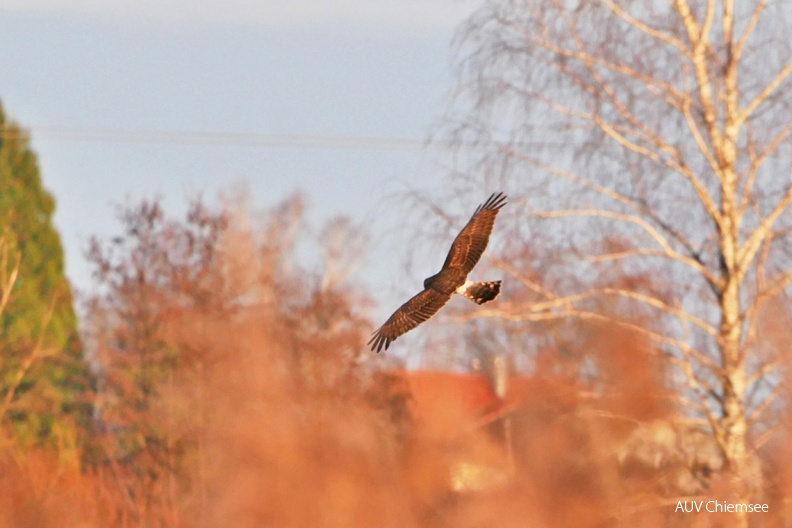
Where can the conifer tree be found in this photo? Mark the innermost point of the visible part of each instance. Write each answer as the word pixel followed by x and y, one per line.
pixel 43 378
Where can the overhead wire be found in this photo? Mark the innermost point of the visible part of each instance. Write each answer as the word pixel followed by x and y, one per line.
pixel 253 139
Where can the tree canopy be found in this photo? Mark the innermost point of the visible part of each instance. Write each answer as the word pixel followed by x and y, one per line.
pixel 42 373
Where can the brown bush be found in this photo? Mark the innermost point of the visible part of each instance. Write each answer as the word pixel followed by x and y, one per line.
pixel 233 393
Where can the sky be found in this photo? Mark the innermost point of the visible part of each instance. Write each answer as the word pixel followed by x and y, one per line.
pixel 172 98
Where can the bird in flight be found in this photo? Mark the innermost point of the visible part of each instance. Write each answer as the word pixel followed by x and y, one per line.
pixel 465 252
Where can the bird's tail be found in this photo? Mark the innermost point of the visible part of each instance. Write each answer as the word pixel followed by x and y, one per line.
pixel 480 292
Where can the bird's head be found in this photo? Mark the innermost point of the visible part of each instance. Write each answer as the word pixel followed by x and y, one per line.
pixel 428 281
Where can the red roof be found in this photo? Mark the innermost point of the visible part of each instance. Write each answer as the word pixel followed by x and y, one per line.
pixel 443 400
pixel 448 396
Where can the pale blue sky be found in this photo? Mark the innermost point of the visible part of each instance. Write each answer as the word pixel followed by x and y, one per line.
pixel 307 67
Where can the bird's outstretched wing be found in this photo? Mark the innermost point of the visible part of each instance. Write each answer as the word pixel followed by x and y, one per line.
pixel 408 316
pixel 471 242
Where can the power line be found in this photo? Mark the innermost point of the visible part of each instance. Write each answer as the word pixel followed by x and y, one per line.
pixel 252 139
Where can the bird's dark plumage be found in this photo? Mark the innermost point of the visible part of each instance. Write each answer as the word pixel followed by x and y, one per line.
pixel 465 252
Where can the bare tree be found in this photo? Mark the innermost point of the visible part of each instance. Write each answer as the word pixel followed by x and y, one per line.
pixel 660 132
pixel 176 302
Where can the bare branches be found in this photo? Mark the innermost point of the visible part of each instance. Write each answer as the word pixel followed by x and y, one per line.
pixel 766 403
pixel 699 138
pixel 628 294
pixel 702 392
pixel 666 90
pixel 779 285
pixel 699 36
pixel 765 93
pixel 645 28
pixel 747 252
pixel 756 162
pixel 566 311
pixel 640 222
pixel 738 49
pixel 583 182
pixel 728 24
pixel 637 138
pixel 513 272
pixel 648 107
pixel 668 251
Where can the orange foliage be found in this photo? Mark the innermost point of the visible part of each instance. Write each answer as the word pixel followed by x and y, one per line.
pixel 260 413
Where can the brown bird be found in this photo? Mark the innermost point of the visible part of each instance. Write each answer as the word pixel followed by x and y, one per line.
pixel 465 252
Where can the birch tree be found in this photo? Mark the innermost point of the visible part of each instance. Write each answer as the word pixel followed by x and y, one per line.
pixel 647 145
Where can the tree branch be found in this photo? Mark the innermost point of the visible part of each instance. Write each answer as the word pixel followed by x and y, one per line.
pixel 508 313
pixel 738 50
pixel 646 226
pixel 641 26
pixel 764 94
pixel 619 292
pixel 757 161
pixel 746 253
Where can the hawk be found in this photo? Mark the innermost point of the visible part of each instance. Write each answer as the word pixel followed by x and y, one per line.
pixel 465 252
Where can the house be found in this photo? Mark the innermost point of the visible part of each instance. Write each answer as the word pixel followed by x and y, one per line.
pixel 466 424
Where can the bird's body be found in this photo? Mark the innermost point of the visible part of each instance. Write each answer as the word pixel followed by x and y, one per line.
pixel 446 281
pixel 465 252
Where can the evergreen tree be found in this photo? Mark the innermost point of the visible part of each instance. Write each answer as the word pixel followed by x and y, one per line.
pixel 43 378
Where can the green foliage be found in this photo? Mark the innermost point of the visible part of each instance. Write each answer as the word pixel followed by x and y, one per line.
pixel 43 378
